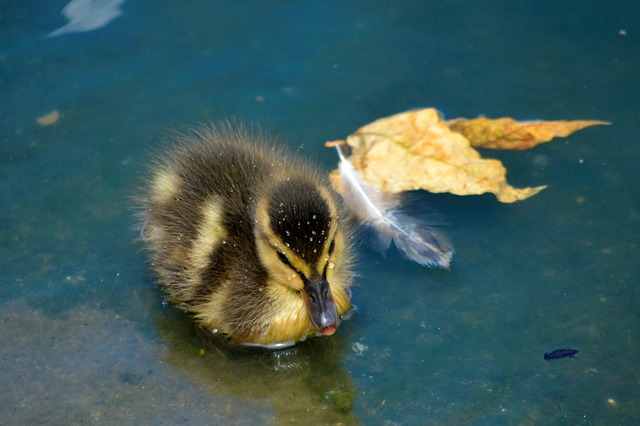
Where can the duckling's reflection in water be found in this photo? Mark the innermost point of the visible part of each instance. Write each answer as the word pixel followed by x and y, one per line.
pixel 304 383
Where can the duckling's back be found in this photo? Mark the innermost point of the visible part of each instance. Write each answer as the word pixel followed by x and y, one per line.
pixel 203 219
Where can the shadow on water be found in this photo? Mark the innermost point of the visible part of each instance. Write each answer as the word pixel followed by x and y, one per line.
pixel 304 383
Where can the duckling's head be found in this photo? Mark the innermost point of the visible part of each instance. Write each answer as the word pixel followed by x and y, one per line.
pixel 301 241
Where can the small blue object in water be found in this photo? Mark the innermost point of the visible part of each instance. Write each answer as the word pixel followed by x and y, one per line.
pixel 560 353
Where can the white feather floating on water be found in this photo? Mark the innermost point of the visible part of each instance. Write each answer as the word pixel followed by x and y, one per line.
pixel 88 15
pixel 382 211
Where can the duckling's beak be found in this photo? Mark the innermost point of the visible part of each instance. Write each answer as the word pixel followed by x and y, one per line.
pixel 322 310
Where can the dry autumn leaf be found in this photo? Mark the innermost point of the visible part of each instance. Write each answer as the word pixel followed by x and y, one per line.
pixel 418 150
pixel 507 133
pixel 49 119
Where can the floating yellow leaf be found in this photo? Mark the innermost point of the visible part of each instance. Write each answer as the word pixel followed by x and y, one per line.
pixel 49 119
pixel 507 133
pixel 418 150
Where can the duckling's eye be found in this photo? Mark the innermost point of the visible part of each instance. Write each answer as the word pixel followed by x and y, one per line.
pixel 284 259
pixel 332 247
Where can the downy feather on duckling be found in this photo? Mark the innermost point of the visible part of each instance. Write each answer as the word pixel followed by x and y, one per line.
pixel 250 240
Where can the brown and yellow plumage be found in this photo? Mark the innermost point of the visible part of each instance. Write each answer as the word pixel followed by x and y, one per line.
pixel 247 238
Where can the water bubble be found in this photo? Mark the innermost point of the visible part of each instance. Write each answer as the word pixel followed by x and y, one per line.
pixel 359 348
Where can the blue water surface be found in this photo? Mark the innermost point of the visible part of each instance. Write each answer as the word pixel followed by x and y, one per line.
pixel 84 335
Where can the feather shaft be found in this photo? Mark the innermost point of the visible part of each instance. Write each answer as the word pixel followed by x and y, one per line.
pixel 413 237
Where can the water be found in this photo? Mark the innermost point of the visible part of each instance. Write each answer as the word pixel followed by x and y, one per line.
pixel 85 335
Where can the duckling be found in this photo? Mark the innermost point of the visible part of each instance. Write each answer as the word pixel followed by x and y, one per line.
pixel 250 240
